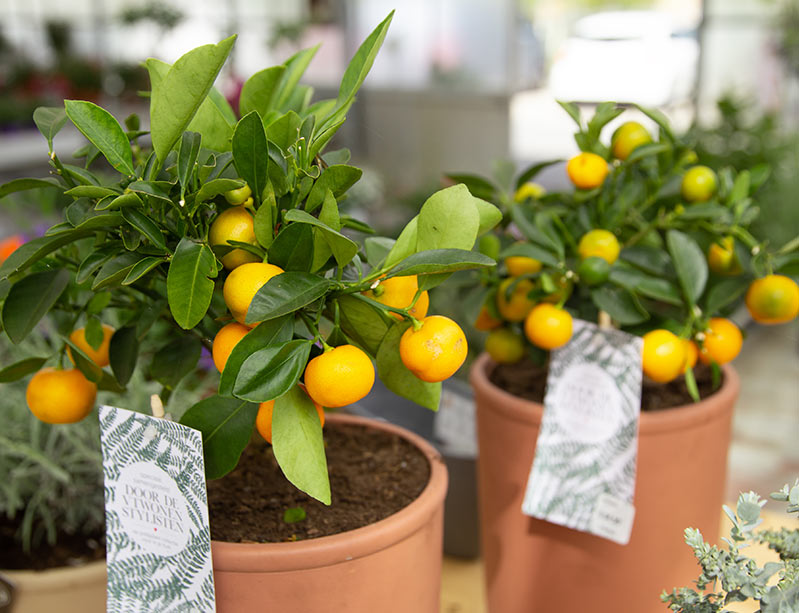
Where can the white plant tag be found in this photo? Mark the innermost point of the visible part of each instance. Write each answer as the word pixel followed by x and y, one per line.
pixel 158 542
pixel 583 472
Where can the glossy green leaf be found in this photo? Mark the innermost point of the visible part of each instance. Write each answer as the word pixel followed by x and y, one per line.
pixel 215 187
pixel 448 220
pixel 437 261
pixel 188 151
pixel 293 248
pixel 123 352
pixel 285 130
pixel 725 293
pixel 270 372
pixel 156 189
pixel 649 259
pixel 285 293
pixel 530 173
pixel 272 332
pixel 294 69
pixel 689 263
pixel 478 186
pixel 175 360
pixel 488 215
pixel 125 200
pixel 338 179
pixel 250 153
pixel 91 191
pixel 343 248
pixel 639 282
pixel 21 185
pixel 84 363
pixel 363 323
pixel 93 331
pixel 49 120
pixel 146 226
pixel 620 304
pixel 29 299
pixel 189 282
pixel 259 90
pixel 91 264
pixel 103 131
pixel 178 95
pixel 398 378
pixel 298 445
pixel 405 245
pixel 264 223
pixel 114 271
pixel 141 268
pixel 23 368
pixel 35 249
pixel 226 425
pixel 98 303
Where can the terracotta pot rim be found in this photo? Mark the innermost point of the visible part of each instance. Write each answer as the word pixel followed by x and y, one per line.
pixel 651 422
pixel 350 545
pixel 54 578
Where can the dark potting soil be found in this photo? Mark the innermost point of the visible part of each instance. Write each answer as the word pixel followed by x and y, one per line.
pixel 373 474
pixel 69 550
pixel 528 380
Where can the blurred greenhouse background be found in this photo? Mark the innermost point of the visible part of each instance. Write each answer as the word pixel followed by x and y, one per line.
pixel 459 85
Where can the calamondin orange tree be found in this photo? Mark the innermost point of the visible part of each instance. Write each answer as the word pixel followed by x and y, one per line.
pixel 647 240
pixel 229 231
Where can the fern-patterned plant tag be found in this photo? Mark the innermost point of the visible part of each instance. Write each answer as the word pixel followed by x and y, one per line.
pixel 583 473
pixel 158 542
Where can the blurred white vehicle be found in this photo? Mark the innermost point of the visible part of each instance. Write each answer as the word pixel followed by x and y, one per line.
pixel 625 56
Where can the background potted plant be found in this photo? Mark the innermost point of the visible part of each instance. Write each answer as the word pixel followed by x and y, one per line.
pixel 229 235
pixel 730 576
pixel 655 245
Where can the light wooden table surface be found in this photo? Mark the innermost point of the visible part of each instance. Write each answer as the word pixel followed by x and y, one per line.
pixel 463 590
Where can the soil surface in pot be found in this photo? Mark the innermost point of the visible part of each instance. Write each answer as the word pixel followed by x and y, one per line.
pixel 69 550
pixel 373 474
pixel 528 380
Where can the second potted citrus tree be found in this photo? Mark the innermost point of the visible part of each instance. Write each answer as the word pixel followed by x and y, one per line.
pixel 227 235
pixel 652 244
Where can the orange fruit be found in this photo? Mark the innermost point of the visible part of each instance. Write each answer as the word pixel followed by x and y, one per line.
pixel 504 346
pixel 486 321
pixel 10 245
pixel 723 342
pixel 515 307
pixel 518 265
pixel 587 170
pixel 436 350
pixel 340 376
pixel 548 326
pixel 238 196
pixel 100 355
pixel 627 137
pixel 529 190
pixel 60 396
pixel 663 356
pixel 263 421
pixel 698 184
pixel 721 257
pixel 398 292
pixel 773 299
pixel 224 342
pixel 234 224
pixel 601 244
pixel 243 283
pixel 691 353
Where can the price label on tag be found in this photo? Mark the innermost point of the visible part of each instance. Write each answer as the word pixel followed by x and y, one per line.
pixel 583 473
pixel 158 542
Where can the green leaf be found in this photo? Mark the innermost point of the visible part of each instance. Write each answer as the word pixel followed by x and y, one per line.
pixel 285 130
pixel 104 132
pixel 21 185
pixel 91 264
pixel 259 90
pixel 649 259
pixel 156 189
pixel 273 332
pixel 448 220
pixel 226 425
pixel 189 282
pixel 123 351
pixel 638 282
pixel 270 372
pixel 115 270
pixel 285 293
pixel 175 360
pixel 573 110
pixel 250 153
pixel 532 171
pixel 405 245
pixel 620 304
pixel 440 260
pixel 488 214
pixel 343 248
pixel 740 189
pixel 660 119
pixel 398 378
pixel 338 179
pixel 34 250
pixel 689 263
pixel 214 187
pixel 298 445
pixel 49 120
pixel 724 293
pixel 94 331
pixel 264 223
pixel 98 303
pixel 146 226
pixel 214 121
pixel 188 151
pixel 125 200
pixel 363 323
pixel 23 368
pixel 478 186
pixel 84 363
pixel 293 248
pixel 377 248
pixel 178 95
pixel 29 299
pixel 141 268
pixel 90 191
pixel 295 67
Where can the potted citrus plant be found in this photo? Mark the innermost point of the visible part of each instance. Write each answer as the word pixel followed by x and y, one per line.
pixel 652 244
pixel 228 233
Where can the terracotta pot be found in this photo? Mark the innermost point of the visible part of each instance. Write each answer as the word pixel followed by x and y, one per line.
pixel 534 566
pixel 392 566
pixel 74 589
